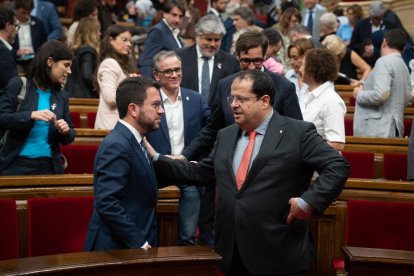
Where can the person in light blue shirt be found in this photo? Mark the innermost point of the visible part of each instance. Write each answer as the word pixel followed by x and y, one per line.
pixel 42 123
pixel 354 13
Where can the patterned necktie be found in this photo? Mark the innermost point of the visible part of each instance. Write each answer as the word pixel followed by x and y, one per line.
pixel 205 79
pixel 144 149
pixel 310 22
pixel 245 161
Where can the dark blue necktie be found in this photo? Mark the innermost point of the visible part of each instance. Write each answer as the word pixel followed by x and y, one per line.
pixel 310 21
pixel 205 79
pixel 144 149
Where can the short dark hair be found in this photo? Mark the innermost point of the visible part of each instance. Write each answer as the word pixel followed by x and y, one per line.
pixel 396 39
pixel 133 90
pixel 321 65
pixel 40 71
pixel 171 4
pixel 262 84
pixel 84 8
pixel 6 16
pixel 250 40
pixel 273 36
pixel 26 5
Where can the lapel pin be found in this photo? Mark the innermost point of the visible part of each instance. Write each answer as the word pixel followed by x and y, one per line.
pixel 53 106
pixel 281 131
pixel 219 65
pixel 187 98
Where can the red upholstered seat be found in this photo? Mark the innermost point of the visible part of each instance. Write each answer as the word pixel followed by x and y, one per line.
pixel 349 126
pixel 377 224
pixel 362 164
pixel 9 230
pixel 352 101
pixel 57 225
pixel 91 117
pixel 80 158
pixel 407 127
pixel 75 116
pixel 395 166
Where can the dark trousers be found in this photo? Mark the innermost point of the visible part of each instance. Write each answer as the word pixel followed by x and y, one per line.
pixel 206 217
pixel 30 166
pixel 238 268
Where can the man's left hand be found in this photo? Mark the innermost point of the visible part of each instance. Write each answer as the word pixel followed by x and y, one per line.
pixel 296 212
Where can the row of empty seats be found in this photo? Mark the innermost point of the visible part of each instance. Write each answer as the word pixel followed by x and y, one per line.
pixel 55 226
pixel 363 165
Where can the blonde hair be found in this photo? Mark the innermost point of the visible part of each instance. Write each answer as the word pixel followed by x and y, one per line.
pixel 87 33
pixel 335 45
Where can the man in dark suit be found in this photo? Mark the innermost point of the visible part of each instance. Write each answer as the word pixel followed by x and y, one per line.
pixel 8 31
pixel 125 187
pixel 186 113
pixel 218 7
pixel 250 49
pixel 46 11
pixel 263 167
pixel 163 36
pixel 209 32
pixel 30 26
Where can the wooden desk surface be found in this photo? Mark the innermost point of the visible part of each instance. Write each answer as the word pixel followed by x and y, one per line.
pixel 378 262
pixel 158 261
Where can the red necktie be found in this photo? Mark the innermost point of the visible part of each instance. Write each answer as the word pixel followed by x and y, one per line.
pixel 245 161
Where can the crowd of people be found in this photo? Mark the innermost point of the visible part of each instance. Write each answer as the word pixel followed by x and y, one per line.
pixel 252 105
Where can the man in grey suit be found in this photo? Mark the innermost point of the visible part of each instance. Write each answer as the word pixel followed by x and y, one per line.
pixel 380 103
pixel 311 13
pixel 263 167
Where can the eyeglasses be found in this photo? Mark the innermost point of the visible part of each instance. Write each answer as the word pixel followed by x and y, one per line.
pixel 156 105
pixel 240 99
pixel 168 73
pixel 247 61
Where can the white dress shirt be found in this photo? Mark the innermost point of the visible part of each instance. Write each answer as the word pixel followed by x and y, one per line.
pixel 174 116
pixel 200 62
pixel 326 110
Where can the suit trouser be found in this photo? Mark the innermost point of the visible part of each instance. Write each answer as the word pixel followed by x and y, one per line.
pixel 206 219
pixel 30 166
pixel 188 214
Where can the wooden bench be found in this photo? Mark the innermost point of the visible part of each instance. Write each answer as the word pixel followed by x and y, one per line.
pixel 21 188
pixel 83 106
pixel 176 261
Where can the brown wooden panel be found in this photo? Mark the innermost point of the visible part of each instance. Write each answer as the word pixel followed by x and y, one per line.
pixel 192 260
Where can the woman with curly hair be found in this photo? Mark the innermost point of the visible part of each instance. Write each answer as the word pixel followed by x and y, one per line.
pixel 320 104
pixel 115 66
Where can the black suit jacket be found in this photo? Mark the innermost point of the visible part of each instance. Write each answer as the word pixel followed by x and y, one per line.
pixel 254 215
pixel 37 33
pixel 8 67
pixel 224 65
pixel 285 103
pixel 159 38
pixel 410 166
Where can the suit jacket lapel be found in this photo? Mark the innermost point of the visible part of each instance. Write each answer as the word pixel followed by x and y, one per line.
pixel 271 141
pixel 232 139
pixel 187 101
pixel 193 63
pixel 218 63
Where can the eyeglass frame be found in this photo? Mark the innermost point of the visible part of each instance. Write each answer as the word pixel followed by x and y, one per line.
pixel 169 72
pixel 248 61
pixel 155 105
pixel 240 99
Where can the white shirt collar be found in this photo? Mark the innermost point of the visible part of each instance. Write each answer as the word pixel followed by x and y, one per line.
pixel 6 43
pixel 320 89
pixel 134 131
pixel 174 31
pixel 165 98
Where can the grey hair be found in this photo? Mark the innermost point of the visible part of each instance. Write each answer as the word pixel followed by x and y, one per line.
pixel 209 24
pixel 300 29
pixel 245 13
pixel 161 56
pixel 330 20
pixel 377 9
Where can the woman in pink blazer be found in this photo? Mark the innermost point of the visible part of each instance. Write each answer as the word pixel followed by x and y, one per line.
pixel 114 68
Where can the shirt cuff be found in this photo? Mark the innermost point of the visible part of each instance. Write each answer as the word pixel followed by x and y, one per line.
pixel 306 207
pixel 156 156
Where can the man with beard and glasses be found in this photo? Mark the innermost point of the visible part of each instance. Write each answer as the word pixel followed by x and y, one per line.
pixel 125 187
pixel 8 31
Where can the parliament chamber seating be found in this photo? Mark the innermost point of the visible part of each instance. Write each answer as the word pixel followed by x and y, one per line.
pixel 57 225
pixel 362 164
pixel 349 126
pixel 378 224
pixel 76 119
pixel 80 158
pixel 9 237
pixel 91 117
pixel 395 166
